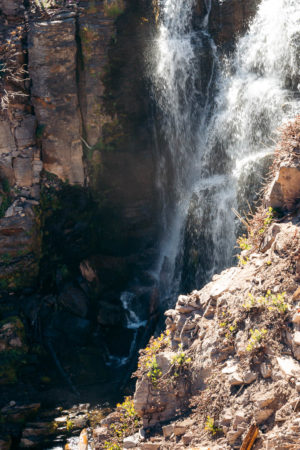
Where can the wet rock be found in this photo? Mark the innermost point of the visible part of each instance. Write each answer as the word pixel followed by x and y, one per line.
pixel 109 314
pixel 20 413
pixel 74 328
pixel 5 442
pixel 74 300
pixel 37 433
pixel 87 271
pixel 229 18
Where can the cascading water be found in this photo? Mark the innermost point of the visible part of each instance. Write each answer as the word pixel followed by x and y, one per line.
pixel 219 119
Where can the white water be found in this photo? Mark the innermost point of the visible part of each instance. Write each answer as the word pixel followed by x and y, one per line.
pixel 133 322
pixel 218 131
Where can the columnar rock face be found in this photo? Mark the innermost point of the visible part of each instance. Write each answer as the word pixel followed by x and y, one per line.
pixel 54 95
pixel 20 162
pixel 96 30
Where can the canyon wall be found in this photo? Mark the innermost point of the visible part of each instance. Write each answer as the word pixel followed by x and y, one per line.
pixel 79 211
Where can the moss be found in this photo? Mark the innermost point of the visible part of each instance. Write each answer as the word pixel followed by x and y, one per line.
pixel 92 7
pixel 5 185
pixel 70 426
pixel 4 285
pixel 6 202
pixel 10 362
pixel 12 358
pixel 87 38
pixel 40 130
pixel 113 8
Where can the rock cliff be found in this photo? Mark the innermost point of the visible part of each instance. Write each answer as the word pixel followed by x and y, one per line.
pixel 225 372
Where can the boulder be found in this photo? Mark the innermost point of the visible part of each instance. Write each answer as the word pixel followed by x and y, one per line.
pixel 75 301
pixel 285 189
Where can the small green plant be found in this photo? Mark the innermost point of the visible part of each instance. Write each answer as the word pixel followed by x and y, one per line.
pixel 257 337
pixel 69 426
pixel 210 425
pixel 127 408
pixel 242 260
pixel 267 221
pixel 111 446
pixel 230 328
pixel 180 361
pixel 153 348
pixel 277 302
pixel 127 423
pixel 244 243
pixel 154 372
pixel 270 301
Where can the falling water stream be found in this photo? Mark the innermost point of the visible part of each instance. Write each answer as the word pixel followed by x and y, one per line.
pixel 219 119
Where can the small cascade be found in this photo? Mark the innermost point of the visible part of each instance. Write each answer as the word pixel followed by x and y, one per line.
pixel 134 323
pixel 219 119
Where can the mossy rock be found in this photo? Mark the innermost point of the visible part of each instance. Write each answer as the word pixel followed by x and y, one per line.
pixel 13 349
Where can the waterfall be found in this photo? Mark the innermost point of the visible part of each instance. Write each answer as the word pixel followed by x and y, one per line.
pixel 218 118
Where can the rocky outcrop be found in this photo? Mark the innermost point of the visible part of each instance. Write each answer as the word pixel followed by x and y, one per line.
pixel 284 191
pixel 243 356
pixel 225 372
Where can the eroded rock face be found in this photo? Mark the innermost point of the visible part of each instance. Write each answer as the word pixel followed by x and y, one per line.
pixel 55 97
pixel 236 376
pixel 156 404
pixel 13 348
pixel 285 190
pixel 230 18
